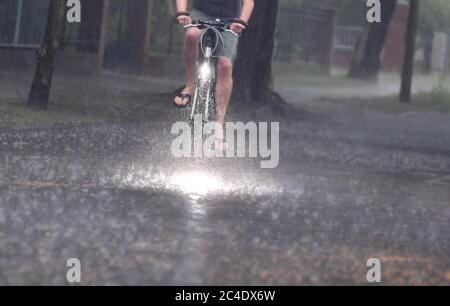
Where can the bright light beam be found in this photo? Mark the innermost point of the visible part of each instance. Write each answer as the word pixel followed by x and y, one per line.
pixel 196 183
pixel 205 72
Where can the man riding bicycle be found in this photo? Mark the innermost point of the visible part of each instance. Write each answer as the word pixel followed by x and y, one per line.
pixel 240 11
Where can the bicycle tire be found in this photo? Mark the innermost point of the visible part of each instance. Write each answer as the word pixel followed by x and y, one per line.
pixel 204 100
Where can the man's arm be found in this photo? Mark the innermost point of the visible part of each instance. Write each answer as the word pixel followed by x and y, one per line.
pixel 182 6
pixel 247 10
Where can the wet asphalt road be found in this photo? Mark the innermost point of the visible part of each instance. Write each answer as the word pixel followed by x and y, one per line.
pixel 350 186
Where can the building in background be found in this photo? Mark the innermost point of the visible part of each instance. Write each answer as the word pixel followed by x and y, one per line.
pixel 124 36
pixel 348 32
pixel 139 36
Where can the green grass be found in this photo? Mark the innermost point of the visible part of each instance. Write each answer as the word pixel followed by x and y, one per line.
pixel 14 114
pixel 79 100
pixel 294 75
pixel 313 80
pixel 287 75
pixel 437 100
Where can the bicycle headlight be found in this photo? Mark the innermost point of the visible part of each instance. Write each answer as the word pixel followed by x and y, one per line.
pixel 205 72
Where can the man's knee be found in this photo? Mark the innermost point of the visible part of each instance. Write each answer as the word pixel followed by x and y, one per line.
pixel 193 37
pixel 225 67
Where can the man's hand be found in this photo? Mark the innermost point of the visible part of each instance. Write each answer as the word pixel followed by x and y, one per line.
pixel 182 16
pixel 237 28
pixel 184 20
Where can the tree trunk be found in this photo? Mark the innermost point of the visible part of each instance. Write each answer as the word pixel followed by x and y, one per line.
pixel 136 33
pixel 90 26
pixel 40 89
pixel 428 52
pixel 253 68
pixel 410 51
pixel 366 61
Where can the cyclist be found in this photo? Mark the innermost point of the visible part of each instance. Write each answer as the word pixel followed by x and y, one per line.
pixel 241 11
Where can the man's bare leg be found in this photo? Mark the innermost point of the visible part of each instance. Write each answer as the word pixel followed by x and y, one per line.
pixel 224 90
pixel 190 51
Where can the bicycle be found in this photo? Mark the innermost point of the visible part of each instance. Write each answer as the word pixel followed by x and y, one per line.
pixel 204 101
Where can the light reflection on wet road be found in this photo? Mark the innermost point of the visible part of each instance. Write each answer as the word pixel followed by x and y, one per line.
pixel 347 189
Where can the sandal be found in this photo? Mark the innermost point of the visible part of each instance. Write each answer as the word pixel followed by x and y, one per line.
pixel 183 97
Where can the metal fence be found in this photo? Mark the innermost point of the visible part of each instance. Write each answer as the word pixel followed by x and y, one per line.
pixel 22 22
pixel 347 37
pixel 305 35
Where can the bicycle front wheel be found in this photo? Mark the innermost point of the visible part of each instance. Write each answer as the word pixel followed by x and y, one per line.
pixel 204 103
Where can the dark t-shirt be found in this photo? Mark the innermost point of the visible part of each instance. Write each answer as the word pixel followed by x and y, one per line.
pixel 220 8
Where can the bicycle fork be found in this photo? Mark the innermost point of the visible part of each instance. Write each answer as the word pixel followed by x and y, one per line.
pixel 204 86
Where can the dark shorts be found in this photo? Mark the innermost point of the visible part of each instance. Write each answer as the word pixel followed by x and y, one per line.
pixel 230 42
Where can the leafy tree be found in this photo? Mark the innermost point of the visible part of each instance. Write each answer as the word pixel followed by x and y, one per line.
pixel 434 16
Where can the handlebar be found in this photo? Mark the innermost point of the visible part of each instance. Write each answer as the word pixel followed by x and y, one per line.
pixel 221 25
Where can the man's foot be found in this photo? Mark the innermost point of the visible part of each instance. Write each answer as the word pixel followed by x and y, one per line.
pixel 184 98
pixel 220 143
